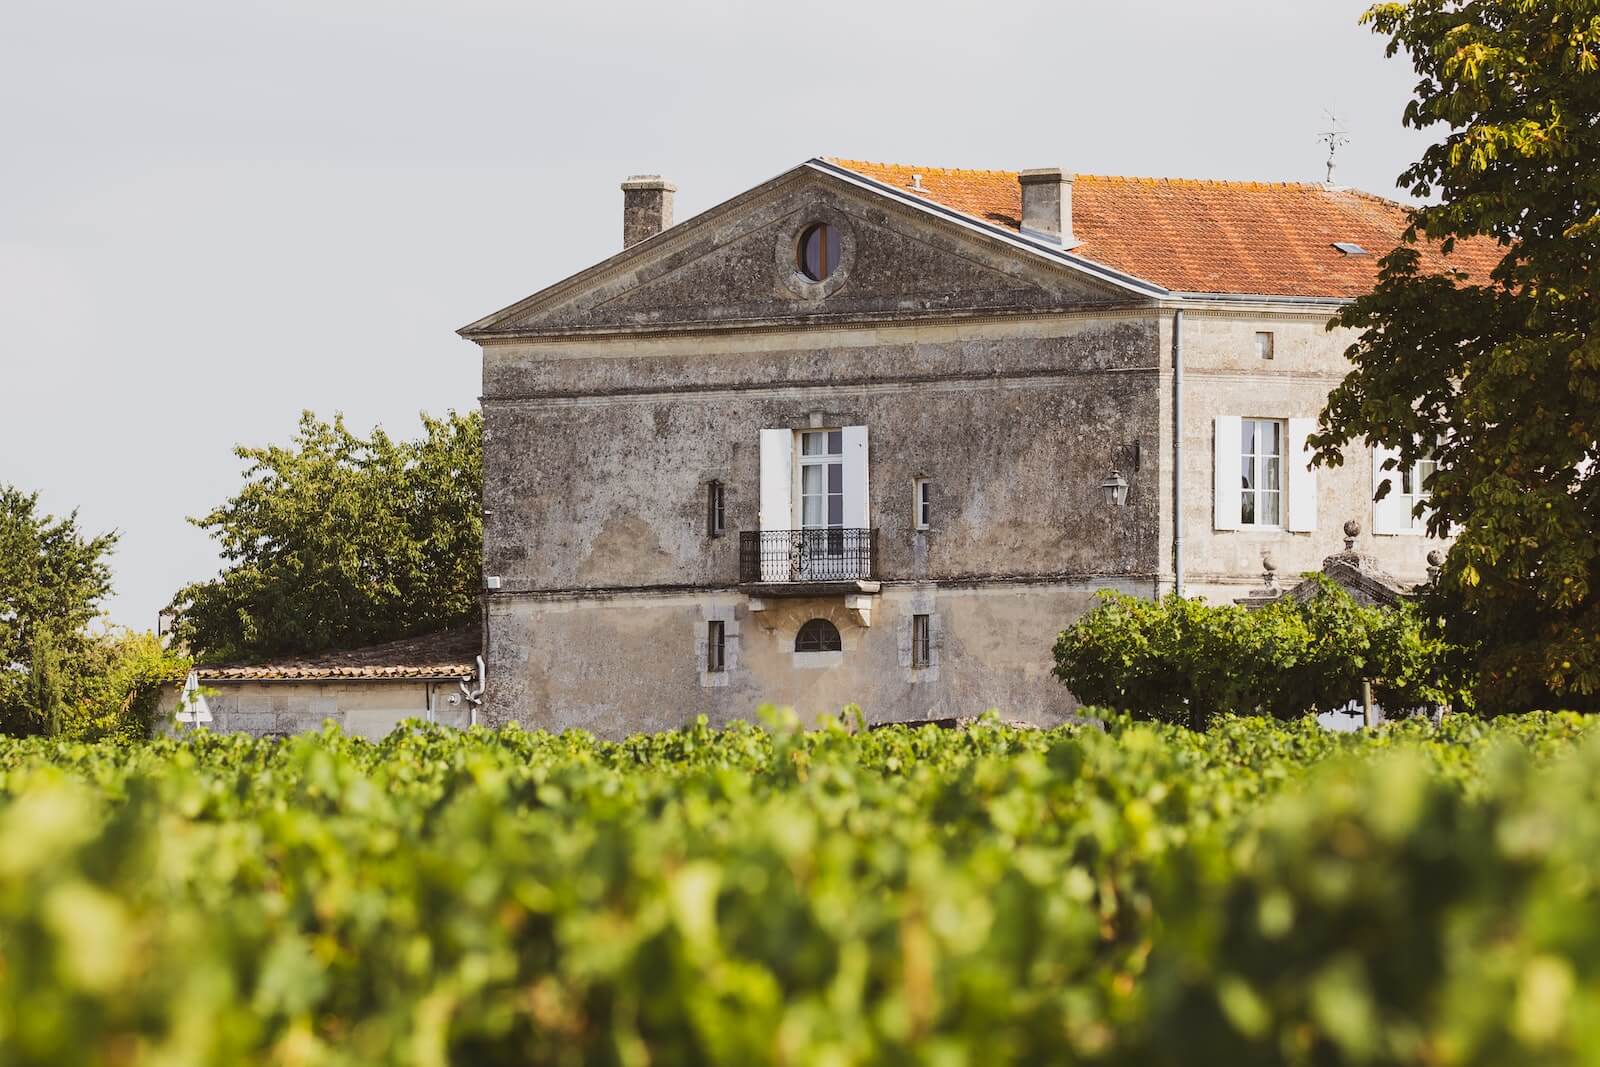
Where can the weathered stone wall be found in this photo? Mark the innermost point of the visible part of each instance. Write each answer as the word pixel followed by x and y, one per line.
pixel 1016 427
pixel 1223 375
pixel 598 455
pixel 366 709
pixel 621 663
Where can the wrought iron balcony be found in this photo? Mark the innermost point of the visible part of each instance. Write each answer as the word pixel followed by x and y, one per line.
pixel 811 557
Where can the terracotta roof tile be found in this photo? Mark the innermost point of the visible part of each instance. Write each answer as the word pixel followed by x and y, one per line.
pixel 1191 235
pixel 445 654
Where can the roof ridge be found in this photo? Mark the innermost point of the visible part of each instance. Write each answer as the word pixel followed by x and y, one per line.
pixel 1231 183
pixel 850 164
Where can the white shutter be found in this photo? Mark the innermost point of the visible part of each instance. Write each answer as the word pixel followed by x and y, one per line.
pixel 777 479
pixel 1389 515
pixel 1302 478
pixel 855 478
pixel 1225 449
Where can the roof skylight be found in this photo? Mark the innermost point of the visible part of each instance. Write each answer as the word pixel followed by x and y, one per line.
pixel 1350 248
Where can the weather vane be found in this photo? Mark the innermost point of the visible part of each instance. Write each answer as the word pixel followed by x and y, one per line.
pixel 1335 138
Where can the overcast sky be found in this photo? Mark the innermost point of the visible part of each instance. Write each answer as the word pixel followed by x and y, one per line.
pixel 216 214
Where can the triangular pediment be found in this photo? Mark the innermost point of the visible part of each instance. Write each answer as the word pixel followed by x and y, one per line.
pixel 736 264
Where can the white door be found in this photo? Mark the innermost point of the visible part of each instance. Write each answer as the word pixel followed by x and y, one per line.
pixel 818 552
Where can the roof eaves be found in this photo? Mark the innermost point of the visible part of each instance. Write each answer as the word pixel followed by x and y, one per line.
pixel 227 676
pixel 1258 298
pixel 1121 279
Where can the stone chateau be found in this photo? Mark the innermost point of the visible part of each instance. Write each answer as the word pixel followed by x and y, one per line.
pixel 874 434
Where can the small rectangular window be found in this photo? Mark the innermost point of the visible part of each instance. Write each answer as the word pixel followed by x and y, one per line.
pixel 921 645
pixel 716 646
pixel 1264 345
pixel 715 516
pixel 922 502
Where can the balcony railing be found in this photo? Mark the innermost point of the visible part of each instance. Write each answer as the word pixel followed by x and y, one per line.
pixel 825 555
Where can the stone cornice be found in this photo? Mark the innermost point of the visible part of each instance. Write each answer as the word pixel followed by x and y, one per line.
pixel 813 323
pixel 949 382
pixel 1071 580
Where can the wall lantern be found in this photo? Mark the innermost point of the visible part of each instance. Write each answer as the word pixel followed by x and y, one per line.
pixel 1115 489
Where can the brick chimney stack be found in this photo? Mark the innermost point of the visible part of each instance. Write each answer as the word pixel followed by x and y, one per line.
pixel 646 207
pixel 1047 205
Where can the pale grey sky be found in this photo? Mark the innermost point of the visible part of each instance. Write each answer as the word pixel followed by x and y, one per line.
pixel 216 214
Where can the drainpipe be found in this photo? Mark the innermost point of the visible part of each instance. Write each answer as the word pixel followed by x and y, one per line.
pixel 474 696
pixel 1177 451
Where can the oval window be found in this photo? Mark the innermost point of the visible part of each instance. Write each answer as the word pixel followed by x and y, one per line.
pixel 819 251
pixel 818 635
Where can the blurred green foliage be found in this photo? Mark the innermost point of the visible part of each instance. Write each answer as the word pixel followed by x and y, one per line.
pixel 1257 894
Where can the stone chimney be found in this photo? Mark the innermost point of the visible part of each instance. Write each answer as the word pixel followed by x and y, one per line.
pixel 1047 205
pixel 646 207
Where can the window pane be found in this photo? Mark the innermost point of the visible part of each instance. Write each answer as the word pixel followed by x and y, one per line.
pixel 811 444
pixel 1272 434
pixel 835 509
pixel 1247 473
pixel 811 511
pixel 1247 508
pixel 811 480
pixel 1269 508
pixel 813 247
pixel 836 477
pixel 1247 437
pixel 818 635
pixel 1269 473
pixel 835 442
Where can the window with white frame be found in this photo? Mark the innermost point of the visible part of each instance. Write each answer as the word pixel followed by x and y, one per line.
pixel 1264 344
pixel 1414 483
pixel 921 502
pixel 1264 477
pixel 814 478
pixel 1260 472
pixel 1397 511
pixel 821 479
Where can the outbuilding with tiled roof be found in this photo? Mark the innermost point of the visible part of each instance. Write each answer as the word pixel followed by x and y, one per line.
pixel 432 677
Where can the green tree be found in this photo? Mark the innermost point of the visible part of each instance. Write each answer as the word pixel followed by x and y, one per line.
pixel 119 681
pixel 45 697
pixel 340 540
pixel 1499 375
pixel 52 578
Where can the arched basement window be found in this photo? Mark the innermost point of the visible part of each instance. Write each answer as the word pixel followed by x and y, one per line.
pixel 818 635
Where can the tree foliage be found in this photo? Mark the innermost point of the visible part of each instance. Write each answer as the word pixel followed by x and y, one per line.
pixel 1500 375
pixel 339 540
pixel 52 579
pixel 118 683
pixel 1182 660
